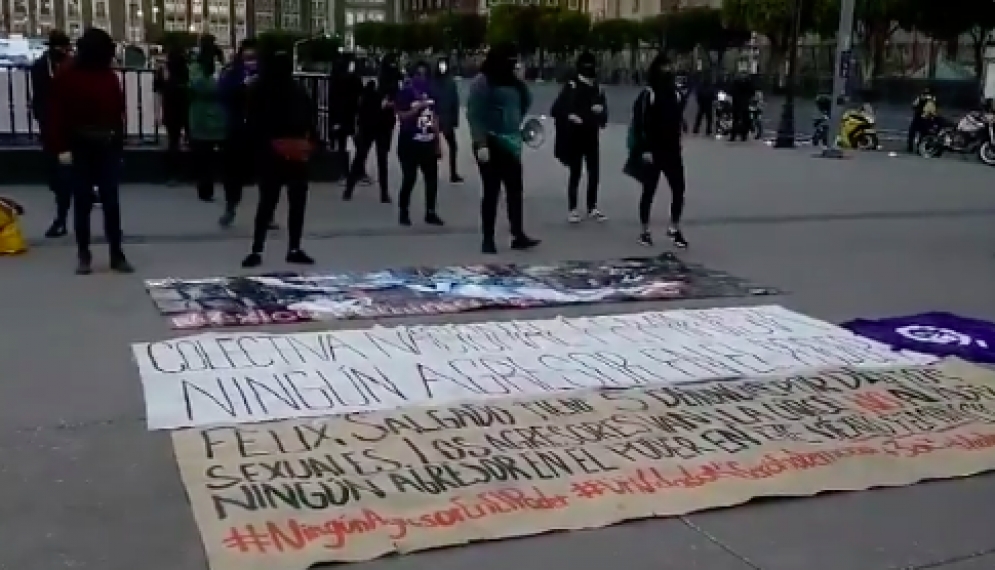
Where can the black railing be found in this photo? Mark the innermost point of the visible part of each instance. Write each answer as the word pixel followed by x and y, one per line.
pixel 18 127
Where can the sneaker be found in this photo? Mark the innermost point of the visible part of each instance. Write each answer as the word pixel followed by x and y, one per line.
pixel 646 239
pixel 488 247
pixel 456 179
pixel 120 264
pixel 84 265
pixel 56 230
pixel 597 215
pixel 404 218
pixel 677 237
pixel 298 257
pixel 524 242
pixel 227 219
pixel 573 217
pixel 252 260
pixel 433 219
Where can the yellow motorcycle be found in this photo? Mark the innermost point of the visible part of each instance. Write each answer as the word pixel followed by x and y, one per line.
pixel 858 129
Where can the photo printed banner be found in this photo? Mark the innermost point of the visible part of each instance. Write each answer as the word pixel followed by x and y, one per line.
pixel 298 492
pixel 241 378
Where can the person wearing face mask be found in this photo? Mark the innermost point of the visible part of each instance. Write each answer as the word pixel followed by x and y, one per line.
pixel 579 113
pixel 418 145
pixel 343 105
pixel 448 110
pixel 206 119
pixel 42 72
pixel 497 102
pixel 655 148
pixel 382 131
pixel 234 85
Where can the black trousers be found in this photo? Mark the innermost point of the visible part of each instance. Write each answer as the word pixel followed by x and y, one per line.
pixel 740 123
pixel 706 113
pixel 503 169
pixel 229 159
pixel 916 128
pixel 380 139
pixel 415 157
pixel 671 165
pixel 452 148
pixel 275 173
pixel 340 148
pixel 174 160
pixel 588 154
pixel 98 168
pixel 60 182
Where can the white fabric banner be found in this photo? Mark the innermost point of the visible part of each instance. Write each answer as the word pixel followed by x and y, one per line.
pixel 250 377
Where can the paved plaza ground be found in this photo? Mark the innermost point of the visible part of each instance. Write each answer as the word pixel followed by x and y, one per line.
pixel 84 486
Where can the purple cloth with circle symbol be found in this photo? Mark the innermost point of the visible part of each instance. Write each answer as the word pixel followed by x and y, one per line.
pixel 939 334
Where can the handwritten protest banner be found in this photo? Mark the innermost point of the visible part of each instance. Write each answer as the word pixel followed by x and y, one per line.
pixel 346 488
pixel 224 379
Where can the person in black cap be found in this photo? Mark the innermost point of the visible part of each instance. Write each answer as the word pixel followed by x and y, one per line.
pixel 42 72
pixel 580 112
pixel 380 136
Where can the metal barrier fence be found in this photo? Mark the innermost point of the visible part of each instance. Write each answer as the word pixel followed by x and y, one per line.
pixel 18 127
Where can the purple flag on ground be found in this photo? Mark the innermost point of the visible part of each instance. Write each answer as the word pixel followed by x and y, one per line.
pixel 939 334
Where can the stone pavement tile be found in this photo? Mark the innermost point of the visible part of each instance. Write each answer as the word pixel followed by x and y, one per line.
pixel 909 527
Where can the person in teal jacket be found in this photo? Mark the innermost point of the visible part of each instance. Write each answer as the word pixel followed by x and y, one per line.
pixel 496 104
pixel 208 122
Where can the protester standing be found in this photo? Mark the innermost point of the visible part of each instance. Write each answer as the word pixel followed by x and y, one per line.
pixel 742 92
pixel 281 122
pixel 496 104
pixel 207 121
pixel 448 110
pixel 655 148
pixel 343 104
pixel 86 129
pixel 382 132
pixel 171 86
pixel 236 154
pixel 579 113
pixel 705 98
pixel 418 144
pixel 43 70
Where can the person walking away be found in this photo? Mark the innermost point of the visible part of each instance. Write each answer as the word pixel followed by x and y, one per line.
pixel 282 129
pixel 236 155
pixel 447 108
pixel 923 107
pixel 346 87
pixel 655 148
pixel 43 70
pixel 496 104
pixel 86 126
pixel 684 94
pixel 579 113
pixel 705 99
pixel 418 144
pixel 742 93
pixel 172 101
pixel 388 84
pixel 207 121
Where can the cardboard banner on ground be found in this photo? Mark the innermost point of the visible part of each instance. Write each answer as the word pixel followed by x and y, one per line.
pixel 294 493
pixel 251 377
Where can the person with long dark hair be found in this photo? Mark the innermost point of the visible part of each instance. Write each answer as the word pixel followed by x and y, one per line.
pixel 418 144
pixel 234 85
pixel 207 121
pixel 43 70
pixel 171 86
pixel 86 120
pixel 579 113
pixel 497 102
pixel 655 148
pixel 380 136
pixel 282 129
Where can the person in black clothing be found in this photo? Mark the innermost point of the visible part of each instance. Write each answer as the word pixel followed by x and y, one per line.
pixel 281 125
pixel 170 85
pixel 742 92
pixel 655 148
pixel 236 80
pixel 683 93
pixel 381 133
pixel 42 72
pixel 343 105
pixel 919 117
pixel 579 113
pixel 705 99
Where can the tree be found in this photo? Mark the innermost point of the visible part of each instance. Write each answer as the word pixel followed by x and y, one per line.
pixel 774 19
pixel 416 37
pixel 369 35
pixel 518 24
pixel 177 40
pixel 278 40
pixel 714 36
pixel 613 36
pixel 566 31
pixel 874 23
pixel 948 21
pixel 321 49
pixel 462 32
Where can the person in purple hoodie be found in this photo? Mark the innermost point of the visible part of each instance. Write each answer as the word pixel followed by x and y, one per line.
pixel 418 143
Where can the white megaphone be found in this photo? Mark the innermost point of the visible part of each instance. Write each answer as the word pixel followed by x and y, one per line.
pixel 533 131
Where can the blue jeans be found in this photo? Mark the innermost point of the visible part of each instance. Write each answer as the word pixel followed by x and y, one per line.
pixel 98 168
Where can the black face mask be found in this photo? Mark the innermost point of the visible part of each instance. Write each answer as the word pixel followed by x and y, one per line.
pixel 57 55
pixel 586 71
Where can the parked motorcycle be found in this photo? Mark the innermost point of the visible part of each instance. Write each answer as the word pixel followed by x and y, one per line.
pixel 975 133
pixel 723 114
pixel 858 129
pixel 756 117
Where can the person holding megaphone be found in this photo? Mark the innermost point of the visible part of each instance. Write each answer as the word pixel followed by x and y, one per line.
pixel 497 102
